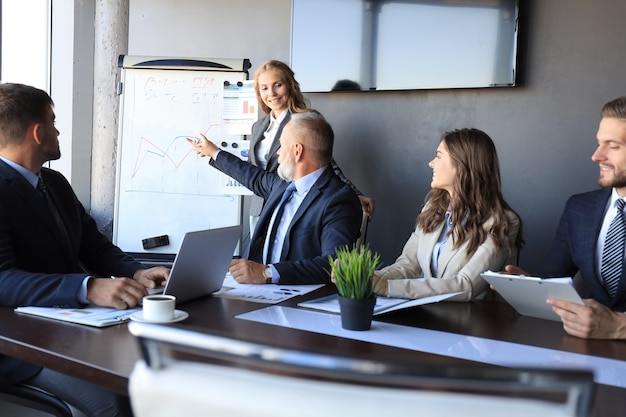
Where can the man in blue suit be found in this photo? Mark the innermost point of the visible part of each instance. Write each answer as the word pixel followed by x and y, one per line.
pixel 582 234
pixel 51 252
pixel 321 214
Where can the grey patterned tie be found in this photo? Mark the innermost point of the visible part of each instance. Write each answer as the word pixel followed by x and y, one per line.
pixel 613 252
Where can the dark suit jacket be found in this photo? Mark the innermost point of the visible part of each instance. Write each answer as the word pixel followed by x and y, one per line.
pixel 258 129
pixel 574 246
pixel 38 265
pixel 330 216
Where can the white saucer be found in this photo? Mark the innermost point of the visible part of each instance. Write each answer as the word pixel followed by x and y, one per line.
pixel 179 315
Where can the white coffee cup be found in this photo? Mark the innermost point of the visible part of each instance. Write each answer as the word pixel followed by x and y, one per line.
pixel 159 307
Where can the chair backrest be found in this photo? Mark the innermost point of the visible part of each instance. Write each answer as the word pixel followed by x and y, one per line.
pixel 35 399
pixel 237 378
pixel 364 223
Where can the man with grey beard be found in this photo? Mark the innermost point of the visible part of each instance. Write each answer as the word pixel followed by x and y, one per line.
pixel 318 213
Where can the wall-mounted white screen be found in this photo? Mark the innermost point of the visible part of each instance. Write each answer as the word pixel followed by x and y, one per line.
pixel 403 44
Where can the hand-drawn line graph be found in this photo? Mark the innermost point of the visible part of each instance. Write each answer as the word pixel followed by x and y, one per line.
pixel 173 163
pixel 171 153
pixel 176 151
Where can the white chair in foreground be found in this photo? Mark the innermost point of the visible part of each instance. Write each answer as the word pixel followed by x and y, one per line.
pixel 247 379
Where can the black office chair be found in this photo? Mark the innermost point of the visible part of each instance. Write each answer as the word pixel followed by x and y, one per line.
pixel 34 398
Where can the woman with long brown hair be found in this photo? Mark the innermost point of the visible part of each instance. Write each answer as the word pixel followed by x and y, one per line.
pixel 465 227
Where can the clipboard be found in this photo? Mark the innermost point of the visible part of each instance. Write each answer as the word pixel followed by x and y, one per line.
pixel 528 295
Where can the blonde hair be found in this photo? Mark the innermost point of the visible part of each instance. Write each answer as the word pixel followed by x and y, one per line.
pixel 295 101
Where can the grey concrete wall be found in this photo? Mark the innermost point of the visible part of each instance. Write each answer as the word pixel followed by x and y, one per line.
pixel 111 42
pixel 571 61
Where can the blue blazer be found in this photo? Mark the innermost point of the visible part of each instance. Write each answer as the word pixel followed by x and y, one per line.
pixel 39 266
pixel 330 216
pixel 574 246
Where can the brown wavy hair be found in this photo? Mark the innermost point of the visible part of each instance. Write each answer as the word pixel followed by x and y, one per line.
pixel 477 195
pixel 295 102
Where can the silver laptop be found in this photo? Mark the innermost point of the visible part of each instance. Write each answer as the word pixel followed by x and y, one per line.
pixel 201 263
pixel 528 295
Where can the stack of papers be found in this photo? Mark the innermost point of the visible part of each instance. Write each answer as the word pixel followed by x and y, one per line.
pixel 267 294
pixel 91 316
pixel 383 304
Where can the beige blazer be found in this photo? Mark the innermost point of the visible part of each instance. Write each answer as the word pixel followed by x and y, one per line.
pixel 410 276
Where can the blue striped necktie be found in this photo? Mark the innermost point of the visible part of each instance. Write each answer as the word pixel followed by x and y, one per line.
pixel 613 252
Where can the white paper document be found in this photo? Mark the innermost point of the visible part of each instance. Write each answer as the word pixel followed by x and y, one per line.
pixel 239 110
pixel 90 316
pixel 383 304
pixel 268 294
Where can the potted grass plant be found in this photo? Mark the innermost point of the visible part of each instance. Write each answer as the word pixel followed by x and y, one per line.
pixel 353 274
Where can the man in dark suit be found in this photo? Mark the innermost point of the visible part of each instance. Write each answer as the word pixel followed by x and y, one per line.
pixel 583 235
pixel 321 214
pixel 51 252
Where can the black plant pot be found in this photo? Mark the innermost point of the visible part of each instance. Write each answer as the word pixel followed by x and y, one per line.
pixel 356 314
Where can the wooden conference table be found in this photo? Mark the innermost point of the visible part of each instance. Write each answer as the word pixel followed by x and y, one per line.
pixel 106 356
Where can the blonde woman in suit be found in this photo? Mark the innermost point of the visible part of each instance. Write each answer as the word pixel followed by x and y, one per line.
pixel 465 227
pixel 279 96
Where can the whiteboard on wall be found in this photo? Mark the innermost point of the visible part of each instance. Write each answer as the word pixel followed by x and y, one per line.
pixel 163 188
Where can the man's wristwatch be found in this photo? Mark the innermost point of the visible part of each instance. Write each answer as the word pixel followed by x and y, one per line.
pixel 267 274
